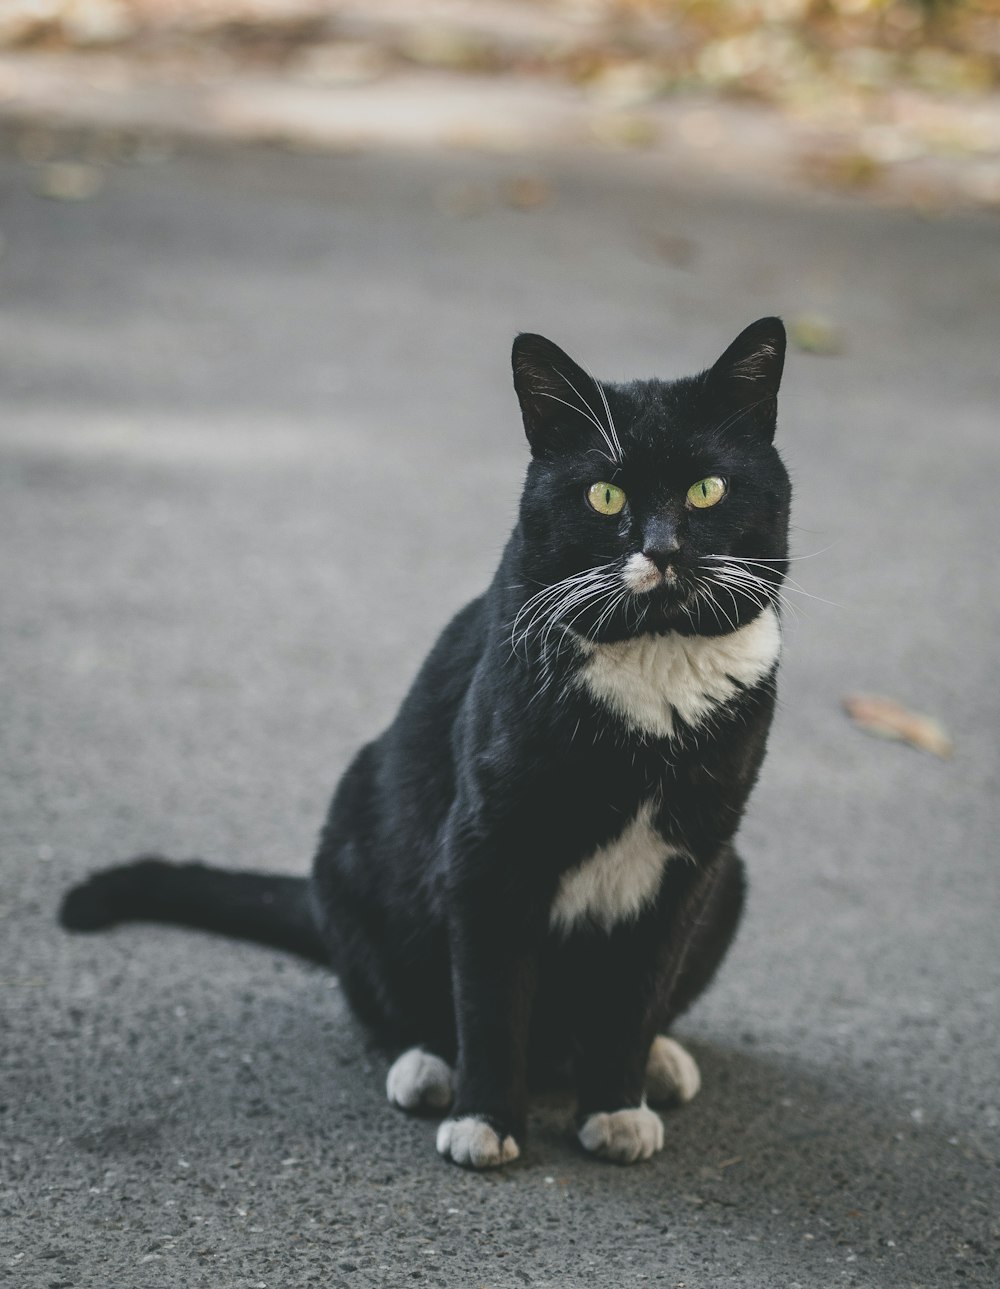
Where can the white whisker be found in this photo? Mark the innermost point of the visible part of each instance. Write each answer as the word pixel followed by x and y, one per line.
pixel 584 411
pixel 607 411
pixel 579 599
pixel 784 589
pixel 541 612
pixel 706 594
pixel 609 434
pixel 774 559
pixel 609 611
pixel 751 586
pixel 738 416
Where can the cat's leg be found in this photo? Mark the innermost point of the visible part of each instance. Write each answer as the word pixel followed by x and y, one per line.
pixel 616 989
pixel 420 1082
pixel 493 989
pixel 672 1074
pixel 494 972
pixel 637 978
pixel 710 935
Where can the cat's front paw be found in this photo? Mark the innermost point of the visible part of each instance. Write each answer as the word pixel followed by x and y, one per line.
pixel 672 1074
pixel 473 1143
pixel 420 1081
pixel 623 1136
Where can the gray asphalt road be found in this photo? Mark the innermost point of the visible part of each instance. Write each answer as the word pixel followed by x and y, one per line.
pixel 258 442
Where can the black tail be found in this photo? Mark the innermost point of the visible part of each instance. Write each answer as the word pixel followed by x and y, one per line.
pixel 248 906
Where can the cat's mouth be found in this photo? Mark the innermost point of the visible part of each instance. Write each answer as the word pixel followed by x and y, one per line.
pixel 665 599
pixel 643 577
pixel 668 603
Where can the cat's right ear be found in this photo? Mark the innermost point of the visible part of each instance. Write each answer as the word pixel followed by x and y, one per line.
pixel 745 380
pixel 555 394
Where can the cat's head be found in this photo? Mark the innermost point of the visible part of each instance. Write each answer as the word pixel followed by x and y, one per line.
pixel 655 505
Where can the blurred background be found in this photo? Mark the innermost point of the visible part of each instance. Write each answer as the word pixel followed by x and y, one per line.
pixel 260 268
pixel 898 97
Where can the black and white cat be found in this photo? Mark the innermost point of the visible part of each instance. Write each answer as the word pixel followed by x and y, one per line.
pixel 531 870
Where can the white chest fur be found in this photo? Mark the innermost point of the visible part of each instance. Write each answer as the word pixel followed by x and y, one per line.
pixel 654 680
pixel 617 881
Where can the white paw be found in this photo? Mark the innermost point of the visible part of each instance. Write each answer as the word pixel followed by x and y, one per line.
pixel 419 1080
pixel 472 1143
pixel 671 1072
pixel 623 1135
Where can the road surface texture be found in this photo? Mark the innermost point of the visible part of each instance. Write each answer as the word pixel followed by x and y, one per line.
pixel 258 443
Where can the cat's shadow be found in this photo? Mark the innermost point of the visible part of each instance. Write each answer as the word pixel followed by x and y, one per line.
pixel 833 1165
pixel 826 1166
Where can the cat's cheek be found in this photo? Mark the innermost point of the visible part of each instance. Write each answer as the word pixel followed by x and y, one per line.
pixel 623 1136
pixel 473 1143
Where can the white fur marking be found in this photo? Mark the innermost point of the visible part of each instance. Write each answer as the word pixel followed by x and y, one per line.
pixel 640 573
pixel 419 1080
pixel 671 1072
pixel 624 1135
pixel 618 880
pixel 651 680
pixel 473 1143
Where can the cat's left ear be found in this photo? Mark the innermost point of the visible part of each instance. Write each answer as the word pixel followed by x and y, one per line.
pixel 747 376
pixel 557 396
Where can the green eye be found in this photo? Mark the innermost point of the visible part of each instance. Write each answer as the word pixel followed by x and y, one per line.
pixel 706 492
pixel 605 498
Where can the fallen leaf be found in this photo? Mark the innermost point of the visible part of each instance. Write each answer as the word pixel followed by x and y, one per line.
pixel 525 192
pixel 814 333
pixel 679 251
pixel 69 181
pixel 889 719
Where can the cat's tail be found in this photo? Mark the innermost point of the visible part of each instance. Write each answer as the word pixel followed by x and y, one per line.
pixel 267 909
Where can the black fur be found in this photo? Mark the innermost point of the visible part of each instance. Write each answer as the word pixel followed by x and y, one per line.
pixel 448 835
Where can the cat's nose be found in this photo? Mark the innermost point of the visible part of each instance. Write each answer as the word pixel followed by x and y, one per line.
pixel 661 546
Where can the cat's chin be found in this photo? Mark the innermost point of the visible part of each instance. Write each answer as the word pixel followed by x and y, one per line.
pixel 676 610
pixel 668 607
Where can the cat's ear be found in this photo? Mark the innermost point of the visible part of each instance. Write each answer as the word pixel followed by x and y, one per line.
pixel 747 376
pixel 557 396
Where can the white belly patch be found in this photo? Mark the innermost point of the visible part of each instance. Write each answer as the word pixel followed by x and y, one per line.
pixel 652 681
pixel 617 881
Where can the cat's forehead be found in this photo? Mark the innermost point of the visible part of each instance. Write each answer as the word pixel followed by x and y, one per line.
pixel 661 425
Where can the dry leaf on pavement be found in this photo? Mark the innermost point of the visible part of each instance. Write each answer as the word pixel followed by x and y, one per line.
pixel 526 192
pixel 889 719
pixel 69 181
pixel 814 333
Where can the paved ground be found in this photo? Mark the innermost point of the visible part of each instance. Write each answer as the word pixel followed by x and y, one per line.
pixel 257 443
